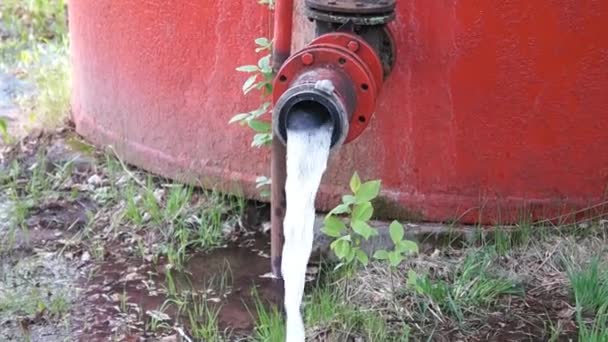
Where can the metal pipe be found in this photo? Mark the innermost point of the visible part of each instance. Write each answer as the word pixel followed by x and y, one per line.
pixel 317 96
pixel 283 18
pixel 283 22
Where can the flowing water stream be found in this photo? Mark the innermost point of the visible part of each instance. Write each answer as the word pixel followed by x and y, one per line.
pixel 307 153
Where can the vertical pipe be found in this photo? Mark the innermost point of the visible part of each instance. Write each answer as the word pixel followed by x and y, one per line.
pixel 283 16
pixel 278 204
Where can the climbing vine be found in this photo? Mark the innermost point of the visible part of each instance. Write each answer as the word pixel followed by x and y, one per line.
pixel 259 81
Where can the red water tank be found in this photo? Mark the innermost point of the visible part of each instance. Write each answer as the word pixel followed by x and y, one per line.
pixel 493 111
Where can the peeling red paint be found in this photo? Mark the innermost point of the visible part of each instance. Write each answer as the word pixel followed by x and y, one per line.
pixel 493 108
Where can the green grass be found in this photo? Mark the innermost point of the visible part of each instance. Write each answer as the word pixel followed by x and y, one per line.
pixel 203 321
pixel 37 47
pixel 589 286
pixel 33 300
pixel 327 309
pixel 270 326
pixel 597 331
pixel 473 285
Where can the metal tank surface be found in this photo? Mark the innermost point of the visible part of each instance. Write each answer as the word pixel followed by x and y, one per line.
pixel 491 112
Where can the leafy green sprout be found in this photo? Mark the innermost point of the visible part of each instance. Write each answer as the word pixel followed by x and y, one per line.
pixel 260 79
pixel 401 248
pixel 261 76
pixel 348 237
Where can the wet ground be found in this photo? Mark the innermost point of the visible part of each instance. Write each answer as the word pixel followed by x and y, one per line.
pixel 65 246
pixel 76 266
pixel 224 278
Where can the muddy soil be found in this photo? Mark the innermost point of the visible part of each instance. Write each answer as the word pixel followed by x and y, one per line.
pixel 112 294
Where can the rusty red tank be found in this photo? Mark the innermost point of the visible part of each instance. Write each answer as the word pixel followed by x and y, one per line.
pixel 493 112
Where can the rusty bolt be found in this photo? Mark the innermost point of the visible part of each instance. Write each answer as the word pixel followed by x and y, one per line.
pixel 307 58
pixel 353 46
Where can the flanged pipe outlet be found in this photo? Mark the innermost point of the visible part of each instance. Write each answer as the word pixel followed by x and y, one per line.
pixel 335 80
pixel 317 98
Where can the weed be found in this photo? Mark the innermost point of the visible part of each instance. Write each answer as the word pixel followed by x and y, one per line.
pixel 203 321
pixel 177 200
pixel 270 326
pixel 347 241
pixel 261 79
pixel 473 285
pixel 589 286
pixel 598 331
pixel 328 309
pixel 132 210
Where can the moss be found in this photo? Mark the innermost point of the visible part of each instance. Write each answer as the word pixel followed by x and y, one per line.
pixel 389 209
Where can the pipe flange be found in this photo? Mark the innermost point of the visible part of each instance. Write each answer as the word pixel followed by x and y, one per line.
pixel 358 46
pixel 365 85
pixel 358 12
pixel 352 6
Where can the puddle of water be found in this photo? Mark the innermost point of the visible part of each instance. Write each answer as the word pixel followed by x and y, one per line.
pixel 224 278
pixel 229 274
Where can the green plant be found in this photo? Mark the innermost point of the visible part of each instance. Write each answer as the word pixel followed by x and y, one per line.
pixel 4 131
pixel 203 321
pixel 589 287
pixel 328 308
pixel 598 331
pixel 401 248
pixel 260 79
pixel 269 326
pixel 347 238
pixel 473 285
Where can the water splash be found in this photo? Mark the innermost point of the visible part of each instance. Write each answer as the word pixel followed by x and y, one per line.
pixel 307 153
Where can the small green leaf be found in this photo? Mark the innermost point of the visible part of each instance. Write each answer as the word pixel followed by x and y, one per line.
pixel 258 112
pixel 362 257
pixel 333 227
pixel 350 256
pixel 346 238
pixel 394 258
pixel 264 64
pixel 259 126
pixel 412 278
pixel 239 117
pixel 355 183
pixel 4 130
pixel 262 181
pixel 363 229
pixel 340 209
pixel 363 211
pixel 263 42
pixel 247 68
pixel 348 199
pixel 381 255
pixel 248 85
pixel 342 249
pixel 261 139
pixel 406 246
pixel 396 232
pixel 368 191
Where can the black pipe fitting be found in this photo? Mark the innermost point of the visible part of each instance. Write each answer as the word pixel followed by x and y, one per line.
pixel 316 98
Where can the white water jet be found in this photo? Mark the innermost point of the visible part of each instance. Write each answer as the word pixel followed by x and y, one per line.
pixel 307 153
